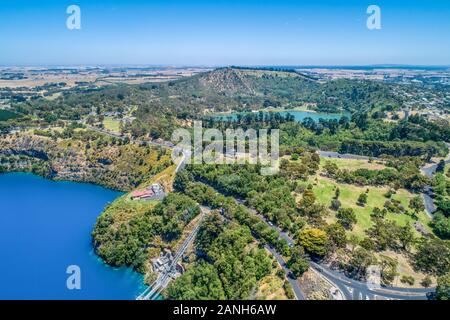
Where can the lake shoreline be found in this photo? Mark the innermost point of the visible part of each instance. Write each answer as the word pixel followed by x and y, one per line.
pixel 298 113
pixel 270 109
pixel 48 203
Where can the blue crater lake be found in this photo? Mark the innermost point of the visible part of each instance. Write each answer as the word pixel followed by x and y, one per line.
pixel 298 115
pixel 46 226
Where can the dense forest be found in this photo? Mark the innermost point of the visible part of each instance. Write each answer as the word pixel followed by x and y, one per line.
pixel 229 264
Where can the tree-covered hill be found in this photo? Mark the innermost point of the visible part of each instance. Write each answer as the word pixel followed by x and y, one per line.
pixel 159 106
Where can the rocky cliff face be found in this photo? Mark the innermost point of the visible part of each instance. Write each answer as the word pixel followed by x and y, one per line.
pixel 63 160
pixel 227 81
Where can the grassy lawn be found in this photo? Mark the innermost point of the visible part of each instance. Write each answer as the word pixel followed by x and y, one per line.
pixel 351 164
pixel 54 96
pixel 324 190
pixel 124 209
pixel 111 124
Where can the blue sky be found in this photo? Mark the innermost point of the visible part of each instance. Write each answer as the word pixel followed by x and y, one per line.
pixel 245 32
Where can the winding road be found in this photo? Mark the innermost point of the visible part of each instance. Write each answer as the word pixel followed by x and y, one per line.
pixel 349 288
pixel 429 171
pixel 293 282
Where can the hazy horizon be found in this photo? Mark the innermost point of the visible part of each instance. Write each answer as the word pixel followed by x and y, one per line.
pixel 296 66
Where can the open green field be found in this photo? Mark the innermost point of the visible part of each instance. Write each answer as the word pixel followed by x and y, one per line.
pixel 111 124
pixel 324 190
pixel 351 164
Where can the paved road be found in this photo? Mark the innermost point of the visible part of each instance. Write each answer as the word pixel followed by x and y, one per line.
pixel 352 289
pixel 428 201
pixel 357 290
pixel 294 284
pixel 430 170
pixel 337 155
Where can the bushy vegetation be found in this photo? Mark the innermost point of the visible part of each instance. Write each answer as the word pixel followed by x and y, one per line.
pixel 127 242
pixel 407 176
pixel 206 195
pixel 269 195
pixel 229 267
pixel 229 263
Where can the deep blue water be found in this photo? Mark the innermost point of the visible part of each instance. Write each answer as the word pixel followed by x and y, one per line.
pixel 45 226
pixel 298 115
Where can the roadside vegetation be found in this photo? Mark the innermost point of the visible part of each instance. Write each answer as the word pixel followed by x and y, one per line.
pixel 345 213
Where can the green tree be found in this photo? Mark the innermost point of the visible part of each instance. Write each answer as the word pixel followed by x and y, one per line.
pixel 346 217
pixel 444 206
pixel 385 234
pixel 210 229
pixel 201 282
pixel 308 198
pixel 359 261
pixel 388 270
pixel 330 169
pixel 441 166
pixel 406 236
pixel 416 204
pixel 314 241
pixel 362 199
pixel 426 282
pixel 335 205
pixel 181 180
pixel 297 263
pixel 378 213
pixel 336 234
pixel 368 244
pixel 409 280
pixel 433 256
pixel 441 225
pixel 443 287
pixel 337 193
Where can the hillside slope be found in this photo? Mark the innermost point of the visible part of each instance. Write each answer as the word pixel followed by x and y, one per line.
pixel 158 108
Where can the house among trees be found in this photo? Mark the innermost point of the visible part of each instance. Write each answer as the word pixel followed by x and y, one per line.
pixel 154 192
pixel 163 263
